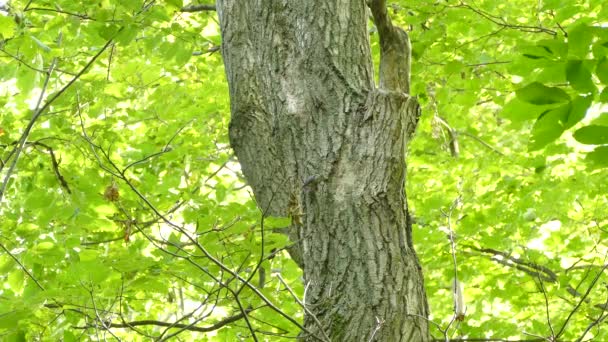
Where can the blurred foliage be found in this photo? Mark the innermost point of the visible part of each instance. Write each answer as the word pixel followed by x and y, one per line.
pixel 127 205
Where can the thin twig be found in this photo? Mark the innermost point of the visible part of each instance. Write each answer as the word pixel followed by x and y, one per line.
pixel 458 311
pixel 578 305
pixel 47 104
pixel 479 140
pixel 308 312
pixel 19 147
pixel 22 267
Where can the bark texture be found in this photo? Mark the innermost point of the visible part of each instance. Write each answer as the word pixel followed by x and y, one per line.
pixel 318 142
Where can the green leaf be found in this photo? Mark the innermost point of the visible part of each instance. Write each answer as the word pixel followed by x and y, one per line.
pixel 518 111
pixel 579 77
pixel 453 67
pixel 578 110
pixel 16 279
pixel 88 255
pixel 10 319
pixel 41 44
pixel 548 127
pixel 177 4
pixel 592 135
pixel 601 120
pixel 556 47
pixel 127 34
pixel 601 71
pixel 598 157
pixel 7 26
pixel 604 95
pixel 277 222
pixel 579 41
pixel 539 94
pixel 16 336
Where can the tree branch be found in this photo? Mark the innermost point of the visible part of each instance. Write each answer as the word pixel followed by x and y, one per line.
pixel 188 327
pixel 22 266
pixel 503 23
pixel 55 165
pixel 197 8
pixel 395 50
pixel 39 110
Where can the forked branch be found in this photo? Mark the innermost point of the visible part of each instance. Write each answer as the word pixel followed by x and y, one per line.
pixel 395 50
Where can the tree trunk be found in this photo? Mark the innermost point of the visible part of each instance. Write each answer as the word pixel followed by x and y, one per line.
pixel 318 142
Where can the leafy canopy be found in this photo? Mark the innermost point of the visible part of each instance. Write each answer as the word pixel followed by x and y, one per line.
pixel 124 214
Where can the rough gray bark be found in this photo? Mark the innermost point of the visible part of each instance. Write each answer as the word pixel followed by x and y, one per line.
pixel 318 142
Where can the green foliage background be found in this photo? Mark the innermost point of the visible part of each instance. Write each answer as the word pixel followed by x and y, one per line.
pixel 135 101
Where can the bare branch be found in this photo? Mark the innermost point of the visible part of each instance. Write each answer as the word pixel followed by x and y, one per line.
pixel 22 267
pixel 188 327
pixel 39 110
pixel 197 8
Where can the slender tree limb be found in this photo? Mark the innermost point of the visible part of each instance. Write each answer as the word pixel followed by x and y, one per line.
pixel 479 140
pixel 547 313
pixel 581 301
pixel 213 327
pixel 602 317
pixel 81 16
pixel 459 306
pixel 503 23
pixel 197 8
pixel 30 275
pixel 55 165
pixel 118 173
pixel 39 110
pixel 303 307
pixel 19 147
pixel 530 268
pixel 23 62
pixel 452 140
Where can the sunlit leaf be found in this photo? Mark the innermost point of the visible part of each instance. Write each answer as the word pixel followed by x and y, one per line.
pixel 579 77
pixel 592 135
pixel 539 94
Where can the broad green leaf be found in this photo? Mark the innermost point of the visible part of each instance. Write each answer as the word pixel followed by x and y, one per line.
pixel 16 336
pixel 7 26
pixel 578 110
pixel 88 255
pixel 604 95
pixel 601 120
pixel 517 111
pixel 556 47
pixel 16 279
pixel 539 94
pixel 600 48
pixel 10 318
pixel 579 77
pixel 453 67
pixel 548 127
pixel 177 4
pixel 579 41
pixel 592 135
pixel 598 157
pixel 277 222
pixel 601 71
pixel 44 246
pixel 127 34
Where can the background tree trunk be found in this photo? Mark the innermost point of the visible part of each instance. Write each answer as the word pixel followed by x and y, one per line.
pixel 318 142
